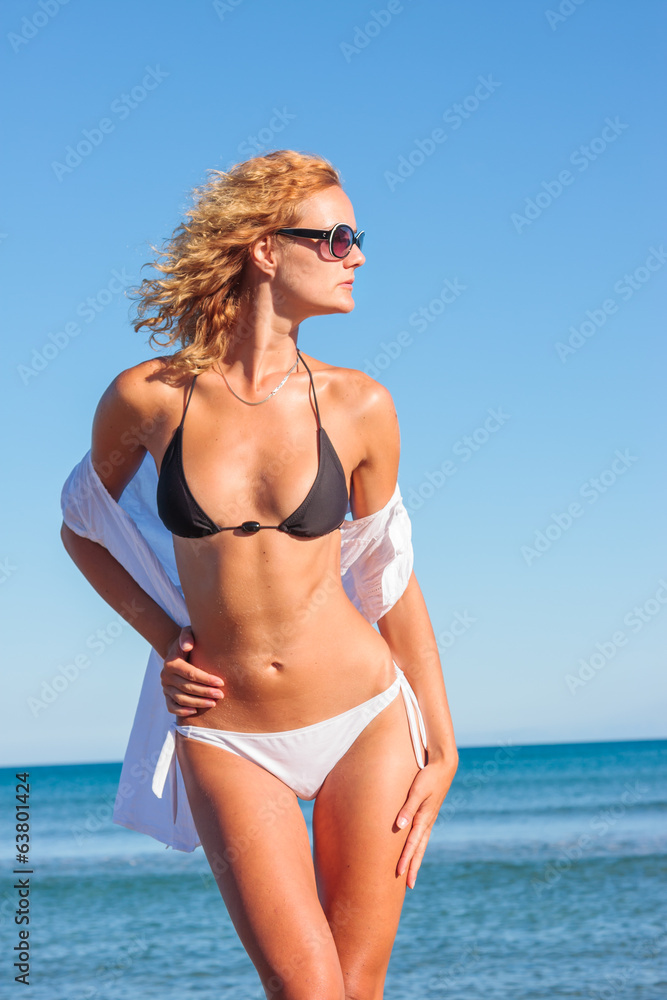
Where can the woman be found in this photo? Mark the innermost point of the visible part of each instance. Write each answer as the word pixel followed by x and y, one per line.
pixel 289 691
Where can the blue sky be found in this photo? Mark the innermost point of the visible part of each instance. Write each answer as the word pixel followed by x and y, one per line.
pixel 507 163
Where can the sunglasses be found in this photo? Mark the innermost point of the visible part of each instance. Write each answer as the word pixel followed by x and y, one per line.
pixel 341 238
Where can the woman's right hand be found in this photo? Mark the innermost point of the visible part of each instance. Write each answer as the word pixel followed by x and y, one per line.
pixel 187 688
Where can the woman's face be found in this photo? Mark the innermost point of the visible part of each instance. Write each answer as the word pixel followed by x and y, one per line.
pixel 309 281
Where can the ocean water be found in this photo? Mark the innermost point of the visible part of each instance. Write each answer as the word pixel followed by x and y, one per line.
pixel 545 877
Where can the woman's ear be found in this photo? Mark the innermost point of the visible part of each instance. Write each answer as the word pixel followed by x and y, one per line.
pixel 264 254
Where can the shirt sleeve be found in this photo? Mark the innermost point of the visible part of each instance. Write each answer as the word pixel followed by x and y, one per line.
pixel 377 558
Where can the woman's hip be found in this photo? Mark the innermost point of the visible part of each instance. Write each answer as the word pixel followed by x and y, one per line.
pixel 302 757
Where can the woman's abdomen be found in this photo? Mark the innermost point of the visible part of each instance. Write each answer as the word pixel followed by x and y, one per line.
pixel 290 664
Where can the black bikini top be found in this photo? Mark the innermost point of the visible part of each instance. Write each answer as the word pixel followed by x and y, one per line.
pixel 322 511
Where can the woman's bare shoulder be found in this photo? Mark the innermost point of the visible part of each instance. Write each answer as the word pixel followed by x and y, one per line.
pixel 372 424
pixel 133 415
pixel 361 394
pixel 143 389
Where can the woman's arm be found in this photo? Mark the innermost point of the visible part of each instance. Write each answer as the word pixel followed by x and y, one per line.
pixel 121 591
pixel 125 412
pixel 407 629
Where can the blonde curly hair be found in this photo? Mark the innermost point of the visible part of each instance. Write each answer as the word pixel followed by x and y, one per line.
pixel 199 300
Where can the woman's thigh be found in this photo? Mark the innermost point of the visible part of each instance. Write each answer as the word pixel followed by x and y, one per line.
pixel 256 842
pixel 357 847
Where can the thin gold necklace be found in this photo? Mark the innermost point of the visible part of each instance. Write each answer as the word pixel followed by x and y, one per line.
pixel 273 391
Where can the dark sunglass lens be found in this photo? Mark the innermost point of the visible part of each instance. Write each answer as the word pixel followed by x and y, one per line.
pixel 342 240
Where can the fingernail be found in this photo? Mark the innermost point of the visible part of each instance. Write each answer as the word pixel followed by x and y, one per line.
pixel 401 822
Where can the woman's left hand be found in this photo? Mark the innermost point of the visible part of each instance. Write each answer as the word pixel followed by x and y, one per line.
pixel 421 808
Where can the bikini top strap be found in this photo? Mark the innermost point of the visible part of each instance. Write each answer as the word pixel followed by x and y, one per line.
pixel 188 399
pixel 317 409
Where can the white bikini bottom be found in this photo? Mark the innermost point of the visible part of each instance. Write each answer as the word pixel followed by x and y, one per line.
pixel 302 758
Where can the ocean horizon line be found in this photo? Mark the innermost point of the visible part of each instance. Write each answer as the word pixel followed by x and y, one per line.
pixel 473 746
